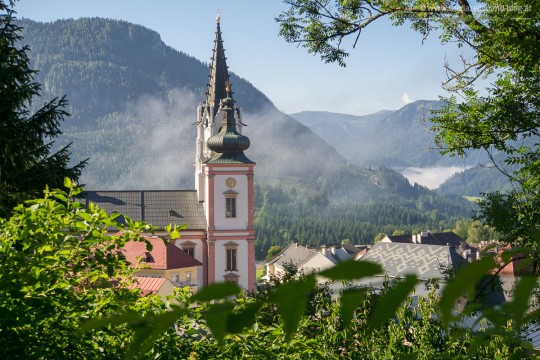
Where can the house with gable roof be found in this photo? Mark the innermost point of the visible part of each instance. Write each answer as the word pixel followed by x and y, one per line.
pixel 307 260
pixel 153 286
pixel 447 238
pixel 166 261
pixel 426 261
pixel 219 212
pixel 428 238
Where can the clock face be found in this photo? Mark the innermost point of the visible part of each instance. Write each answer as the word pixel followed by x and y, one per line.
pixel 230 182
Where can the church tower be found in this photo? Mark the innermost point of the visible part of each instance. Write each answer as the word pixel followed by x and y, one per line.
pixel 224 180
pixel 208 113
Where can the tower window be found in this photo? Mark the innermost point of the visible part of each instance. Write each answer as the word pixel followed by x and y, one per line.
pixel 230 207
pixel 231 260
pixel 231 251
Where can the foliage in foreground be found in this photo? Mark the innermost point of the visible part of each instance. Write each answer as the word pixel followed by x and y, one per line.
pixel 66 294
pixel 58 268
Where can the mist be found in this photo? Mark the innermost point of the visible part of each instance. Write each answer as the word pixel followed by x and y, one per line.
pixel 154 145
pixel 431 177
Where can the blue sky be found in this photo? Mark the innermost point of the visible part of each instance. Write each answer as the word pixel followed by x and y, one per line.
pixel 389 66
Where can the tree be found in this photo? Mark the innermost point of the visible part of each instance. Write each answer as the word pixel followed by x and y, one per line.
pixel 58 268
pixel 398 232
pixel 502 119
pixel 27 160
pixel 379 237
pixel 477 232
pixel 273 251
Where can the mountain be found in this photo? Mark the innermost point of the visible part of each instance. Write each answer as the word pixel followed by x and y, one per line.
pixel 400 139
pixel 133 101
pixel 391 138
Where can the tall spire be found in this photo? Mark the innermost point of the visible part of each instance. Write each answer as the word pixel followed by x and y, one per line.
pixel 219 72
pixel 228 145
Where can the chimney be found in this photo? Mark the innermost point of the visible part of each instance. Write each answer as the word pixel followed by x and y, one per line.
pixel 333 250
pixel 414 240
pixel 323 250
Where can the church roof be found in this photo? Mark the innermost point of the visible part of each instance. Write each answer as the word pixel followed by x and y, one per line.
pixel 228 145
pixel 156 207
pixel 161 257
pixel 219 74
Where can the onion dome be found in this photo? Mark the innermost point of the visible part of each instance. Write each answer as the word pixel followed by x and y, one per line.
pixel 228 145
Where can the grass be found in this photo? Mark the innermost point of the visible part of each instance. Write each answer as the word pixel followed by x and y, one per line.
pixel 259 272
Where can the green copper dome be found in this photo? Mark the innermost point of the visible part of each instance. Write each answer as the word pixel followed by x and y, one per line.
pixel 228 145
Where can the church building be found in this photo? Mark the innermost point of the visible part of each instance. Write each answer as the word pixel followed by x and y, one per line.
pixel 219 213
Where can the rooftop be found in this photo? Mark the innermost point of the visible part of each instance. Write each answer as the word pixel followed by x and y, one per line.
pixel 162 256
pixel 425 261
pixel 156 207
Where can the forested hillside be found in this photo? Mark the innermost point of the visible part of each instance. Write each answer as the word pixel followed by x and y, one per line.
pixel 402 139
pixel 354 204
pixel 134 100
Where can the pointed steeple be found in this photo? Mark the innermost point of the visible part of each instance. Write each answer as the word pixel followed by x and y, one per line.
pixel 228 145
pixel 219 73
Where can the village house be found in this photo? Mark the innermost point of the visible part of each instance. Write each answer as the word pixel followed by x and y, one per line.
pixel 308 261
pixel 430 238
pixel 164 261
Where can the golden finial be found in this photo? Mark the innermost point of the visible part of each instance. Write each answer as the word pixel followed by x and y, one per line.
pixel 218 15
pixel 228 87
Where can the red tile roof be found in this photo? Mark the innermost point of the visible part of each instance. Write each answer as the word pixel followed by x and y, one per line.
pixel 161 257
pixel 148 285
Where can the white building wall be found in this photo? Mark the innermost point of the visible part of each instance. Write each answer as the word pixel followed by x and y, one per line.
pixel 222 222
pixel 241 262
pixel 198 252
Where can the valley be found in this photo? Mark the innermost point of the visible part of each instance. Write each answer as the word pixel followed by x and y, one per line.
pixel 320 177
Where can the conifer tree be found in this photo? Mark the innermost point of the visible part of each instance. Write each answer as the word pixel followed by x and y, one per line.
pixel 27 160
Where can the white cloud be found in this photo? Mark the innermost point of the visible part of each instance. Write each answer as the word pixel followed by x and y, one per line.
pixel 405 99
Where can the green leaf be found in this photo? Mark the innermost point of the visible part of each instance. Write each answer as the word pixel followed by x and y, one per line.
pixel 237 322
pixel 85 216
pixel 216 291
pixel 388 304
pixel 60 196
pixel 99 323
pixel 216 319
pixel 464 281
pixel 350 300
pixel 522 294
pixel 45 248
pixel 351 270
pixel 68 183
pixel 291 298
pixel 148 332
